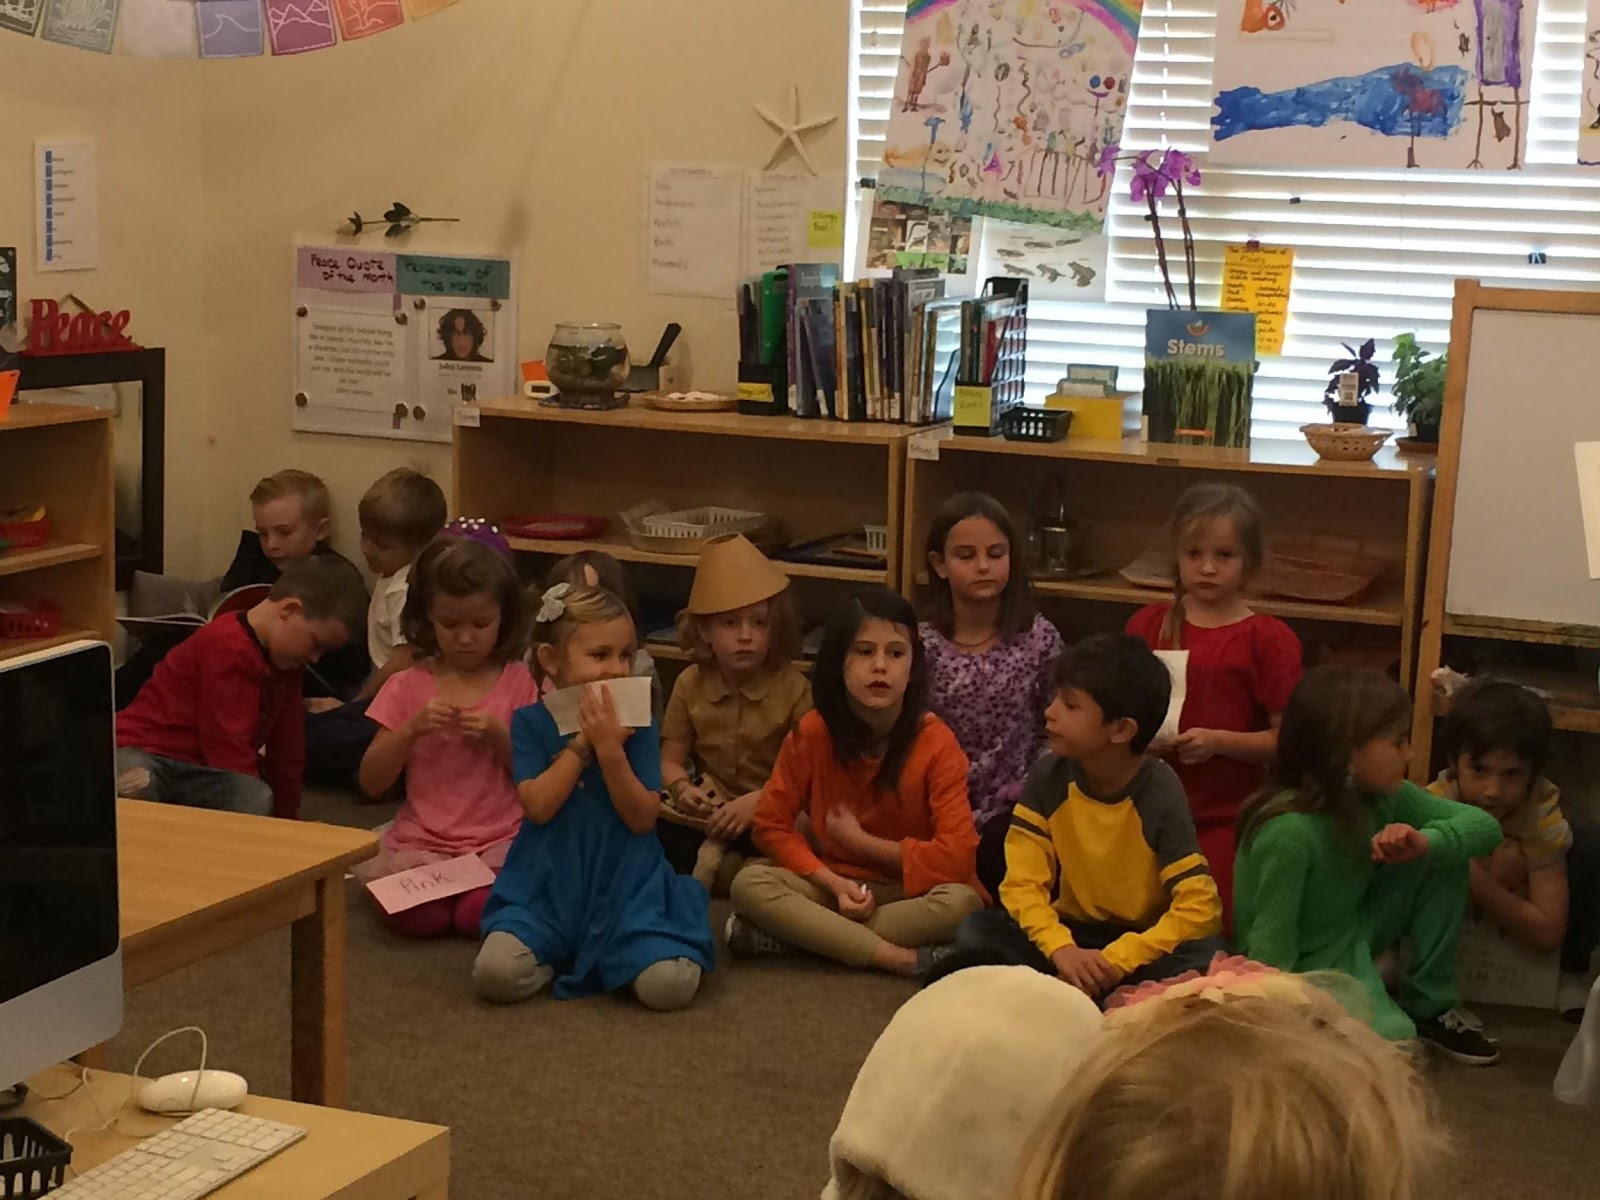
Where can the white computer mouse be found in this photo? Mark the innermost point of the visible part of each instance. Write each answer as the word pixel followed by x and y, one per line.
pixel 175 1094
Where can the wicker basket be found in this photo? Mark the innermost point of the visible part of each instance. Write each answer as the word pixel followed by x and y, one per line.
pixel 702 523
pixel 1345 443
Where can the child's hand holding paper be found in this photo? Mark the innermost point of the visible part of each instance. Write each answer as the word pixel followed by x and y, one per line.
pixel 630 699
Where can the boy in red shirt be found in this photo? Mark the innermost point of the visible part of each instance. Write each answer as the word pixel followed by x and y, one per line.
pixel 221 723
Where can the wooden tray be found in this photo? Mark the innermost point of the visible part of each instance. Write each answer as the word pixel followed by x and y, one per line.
pixel 666 402
pixel 1325 569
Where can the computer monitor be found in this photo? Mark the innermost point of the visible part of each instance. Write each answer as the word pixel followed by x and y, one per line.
pixel 60 954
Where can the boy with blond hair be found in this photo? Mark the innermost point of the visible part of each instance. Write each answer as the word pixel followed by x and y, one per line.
pixel 400 514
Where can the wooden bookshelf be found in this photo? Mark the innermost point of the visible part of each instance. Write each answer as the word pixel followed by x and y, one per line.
pixel 816 478
pixel 1125 490
pixel 60 456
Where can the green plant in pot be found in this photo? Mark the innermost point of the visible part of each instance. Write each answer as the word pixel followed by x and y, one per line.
pixel 1349 405
pixel 1419 386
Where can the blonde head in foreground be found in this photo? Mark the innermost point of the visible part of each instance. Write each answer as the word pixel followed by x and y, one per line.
pixel 1245 1098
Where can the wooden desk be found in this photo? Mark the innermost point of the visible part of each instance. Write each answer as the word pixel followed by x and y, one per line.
pixel 196 882
pixel 344 1155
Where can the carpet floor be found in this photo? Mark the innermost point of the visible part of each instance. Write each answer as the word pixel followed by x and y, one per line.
pixel 735 1098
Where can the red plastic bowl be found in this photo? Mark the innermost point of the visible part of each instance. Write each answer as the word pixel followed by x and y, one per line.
pixel 25 535
pixel 555 527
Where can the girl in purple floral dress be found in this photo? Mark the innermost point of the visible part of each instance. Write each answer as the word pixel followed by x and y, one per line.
pixel 989 655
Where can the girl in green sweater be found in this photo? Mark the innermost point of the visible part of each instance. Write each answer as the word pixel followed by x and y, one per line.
pixel 1341 858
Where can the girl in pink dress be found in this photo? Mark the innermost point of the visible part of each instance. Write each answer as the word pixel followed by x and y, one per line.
pixel 1241 668
pixel 446 723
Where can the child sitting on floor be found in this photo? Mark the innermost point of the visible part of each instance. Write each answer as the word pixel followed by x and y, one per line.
pixel 291 523
pixel 400 514
pixel 586 892
pixel 731 710
pixel 947 1099
pixel 1250 1097
pixel 1105 883
pixel 1340 857
pixel 445 722
pixel 883 785
pixel 192 734
pixel 596 568
pixel 990 651
pixel 1542 884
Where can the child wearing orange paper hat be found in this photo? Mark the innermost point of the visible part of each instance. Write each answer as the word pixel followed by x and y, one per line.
pixel 731 710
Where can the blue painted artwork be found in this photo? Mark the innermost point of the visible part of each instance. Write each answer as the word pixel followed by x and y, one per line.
pixel 1398 101
pixel 1375 83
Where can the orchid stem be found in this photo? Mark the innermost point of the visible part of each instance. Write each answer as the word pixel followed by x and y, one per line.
pixel 1161 254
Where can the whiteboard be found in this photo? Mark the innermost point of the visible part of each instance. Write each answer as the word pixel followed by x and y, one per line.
pixel 1518 549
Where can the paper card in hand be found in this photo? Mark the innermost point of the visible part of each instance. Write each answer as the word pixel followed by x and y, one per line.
pixel 1177 664
pixel 631 696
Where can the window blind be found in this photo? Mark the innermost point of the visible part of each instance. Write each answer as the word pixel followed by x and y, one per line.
pixel 1376 251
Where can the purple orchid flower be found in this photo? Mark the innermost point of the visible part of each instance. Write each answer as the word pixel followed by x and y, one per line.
pixel 1155 173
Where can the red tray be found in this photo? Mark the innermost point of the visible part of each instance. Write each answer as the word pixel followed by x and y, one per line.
pixel 39 619
pixel 555 527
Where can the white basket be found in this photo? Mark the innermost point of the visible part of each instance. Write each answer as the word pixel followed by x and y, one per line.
pixel 877 538
pixel 706 522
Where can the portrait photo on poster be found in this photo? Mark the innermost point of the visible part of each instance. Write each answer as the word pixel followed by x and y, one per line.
pixel 464 334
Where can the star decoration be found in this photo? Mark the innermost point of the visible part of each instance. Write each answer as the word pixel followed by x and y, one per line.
pixel 791 134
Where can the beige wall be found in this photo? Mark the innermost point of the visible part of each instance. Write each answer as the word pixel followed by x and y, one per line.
pixel 534 122
pixel 145 119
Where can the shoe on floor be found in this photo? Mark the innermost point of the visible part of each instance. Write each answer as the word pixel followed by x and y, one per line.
pixel 746 939
pixel 928 957
pixel 1572 996
pixel 1454 1034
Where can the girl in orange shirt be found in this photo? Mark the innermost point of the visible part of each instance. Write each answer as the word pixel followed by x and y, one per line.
pixel 865 819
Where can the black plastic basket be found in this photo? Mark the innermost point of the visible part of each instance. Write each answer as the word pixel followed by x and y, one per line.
pixel 1026 423
pixel 33 1161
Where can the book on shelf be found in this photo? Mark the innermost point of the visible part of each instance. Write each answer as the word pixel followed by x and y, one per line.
pixel 886 349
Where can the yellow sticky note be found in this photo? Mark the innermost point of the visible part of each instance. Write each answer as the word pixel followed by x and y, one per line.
pixel 974 406
pixel 826 229
pixel 1256 279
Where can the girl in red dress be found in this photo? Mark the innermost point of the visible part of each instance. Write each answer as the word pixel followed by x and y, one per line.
pixel 1242 665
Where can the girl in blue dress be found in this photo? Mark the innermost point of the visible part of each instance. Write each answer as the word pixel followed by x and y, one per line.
pixel 586 898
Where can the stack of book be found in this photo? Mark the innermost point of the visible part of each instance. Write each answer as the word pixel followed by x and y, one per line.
pixel 880 349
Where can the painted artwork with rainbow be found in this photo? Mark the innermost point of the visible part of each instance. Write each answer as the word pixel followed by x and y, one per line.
pixel 1002 107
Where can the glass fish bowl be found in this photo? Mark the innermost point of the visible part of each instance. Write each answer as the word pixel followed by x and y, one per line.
pixel 587 361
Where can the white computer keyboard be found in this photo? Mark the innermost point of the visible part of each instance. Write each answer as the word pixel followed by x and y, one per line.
pixel 193 1158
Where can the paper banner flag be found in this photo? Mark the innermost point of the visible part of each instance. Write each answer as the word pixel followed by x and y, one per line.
pixel 86 24
pixel 230 28
pixel 362 18
pixel 426 8
pixel 295 26
pixel 21 16
pixel 159 29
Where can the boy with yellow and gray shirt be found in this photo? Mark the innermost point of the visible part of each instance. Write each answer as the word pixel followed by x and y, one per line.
pixel 1105 884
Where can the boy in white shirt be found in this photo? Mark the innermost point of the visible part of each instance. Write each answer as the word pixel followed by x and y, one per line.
pixel 400 514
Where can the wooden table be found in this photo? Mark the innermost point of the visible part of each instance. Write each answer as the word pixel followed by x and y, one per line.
pixel 344 1155
pixel 196 882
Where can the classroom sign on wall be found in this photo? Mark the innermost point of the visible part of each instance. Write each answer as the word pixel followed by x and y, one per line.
pixel 386 345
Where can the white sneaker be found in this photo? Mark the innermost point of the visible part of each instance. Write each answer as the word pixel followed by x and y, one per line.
pixel 1572 996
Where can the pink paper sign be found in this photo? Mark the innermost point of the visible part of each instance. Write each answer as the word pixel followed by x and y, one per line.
pixel 435 881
